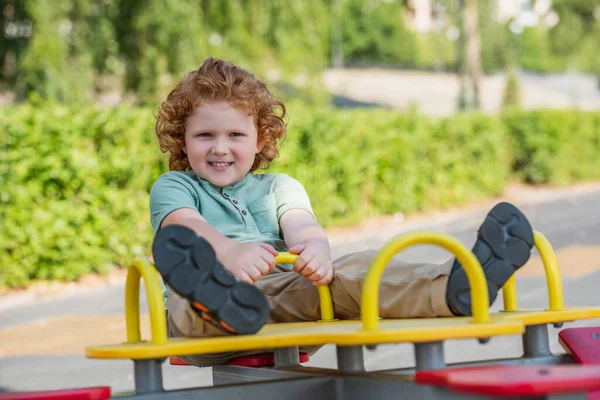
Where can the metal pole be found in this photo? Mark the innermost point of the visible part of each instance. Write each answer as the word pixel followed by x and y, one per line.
pixel 535 341
pixel 350 358
pixel 287 356
pixel 429 355
pixel 148 376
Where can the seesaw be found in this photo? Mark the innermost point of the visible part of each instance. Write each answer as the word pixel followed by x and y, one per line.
pixel 278 373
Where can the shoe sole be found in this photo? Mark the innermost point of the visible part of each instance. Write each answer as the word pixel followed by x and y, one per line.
pixel 504 243
pixel 189 266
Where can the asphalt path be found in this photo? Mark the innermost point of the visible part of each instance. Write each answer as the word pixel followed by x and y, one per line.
pixel 40 343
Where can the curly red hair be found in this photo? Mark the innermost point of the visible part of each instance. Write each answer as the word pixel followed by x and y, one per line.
pixel 219 80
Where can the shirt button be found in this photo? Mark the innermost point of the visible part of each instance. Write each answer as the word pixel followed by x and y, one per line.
pixel 235 201
pixel 225 194
pixel 244 212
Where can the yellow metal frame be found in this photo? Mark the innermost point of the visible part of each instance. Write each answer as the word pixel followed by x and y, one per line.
pixel 344 333
pixel 556 311
pixel 158 325
pixel 367 331
pixel 370 296
pixel 553 279
pixel 156 305
pixel 326 302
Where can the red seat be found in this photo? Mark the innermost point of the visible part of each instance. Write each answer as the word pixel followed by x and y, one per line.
pixel 91 393
pixel 521 380
pixel 582 343
pixel 257 361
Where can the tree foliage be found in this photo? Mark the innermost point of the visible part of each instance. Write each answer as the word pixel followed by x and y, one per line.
pixel 71 50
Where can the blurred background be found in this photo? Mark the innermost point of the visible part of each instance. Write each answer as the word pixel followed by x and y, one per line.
pixel 403 114
pixel 114 51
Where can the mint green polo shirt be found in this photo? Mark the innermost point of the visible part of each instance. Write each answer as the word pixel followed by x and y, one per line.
pixel 247 211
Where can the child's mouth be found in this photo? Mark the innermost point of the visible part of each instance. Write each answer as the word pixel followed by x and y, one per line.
pixel 219 166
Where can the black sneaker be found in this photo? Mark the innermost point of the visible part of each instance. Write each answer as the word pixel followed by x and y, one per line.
pixel 189 266
pixel 504 243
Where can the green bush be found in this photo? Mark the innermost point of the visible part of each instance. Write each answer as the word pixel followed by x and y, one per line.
pixel 73 189
pixel 362 163
pixel 74 182
pixel 555 147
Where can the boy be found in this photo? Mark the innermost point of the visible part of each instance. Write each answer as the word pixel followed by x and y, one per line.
pixel 218 226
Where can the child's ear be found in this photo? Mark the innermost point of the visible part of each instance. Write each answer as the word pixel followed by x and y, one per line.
pixel 184 150
pixel 259 147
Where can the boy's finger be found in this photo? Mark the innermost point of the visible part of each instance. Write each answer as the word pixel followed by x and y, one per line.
pixel 269 248
pixel 313 270
pixel 327 277
pixel 319 273
pixel 301 264
pixel 244 277
pixel 269 259
pixel 254 273
pixel 297 249
pixel 263 266
pixel 325 280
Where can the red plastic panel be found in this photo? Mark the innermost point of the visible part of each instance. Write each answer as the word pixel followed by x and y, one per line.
pixel 91 393
pixel 439 377
pixel 261 360
pixel 522 380
pixel 177 361
pixel 582 343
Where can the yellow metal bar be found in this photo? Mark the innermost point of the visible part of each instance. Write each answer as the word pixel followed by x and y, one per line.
pixel 370 295
pixel 326 303
pixel 343 333
pixel 156 305
pixel 509 294
pixel 132 305
pixel 286 258
pixel 553 279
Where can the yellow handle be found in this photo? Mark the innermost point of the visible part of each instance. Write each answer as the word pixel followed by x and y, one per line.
pixel 324 293
pixel 156 305
pixel 142 268
pixel 509 294
pixel 553 279
pixel 370 295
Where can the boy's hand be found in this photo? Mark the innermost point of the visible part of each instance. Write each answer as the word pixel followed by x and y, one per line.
pixel 314 262
pixel 248 262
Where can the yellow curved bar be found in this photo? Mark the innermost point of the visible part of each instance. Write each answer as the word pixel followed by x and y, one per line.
pixel 553 279
pixel 325 301
pixel 370 295
pixel 509 294
pixel 158 323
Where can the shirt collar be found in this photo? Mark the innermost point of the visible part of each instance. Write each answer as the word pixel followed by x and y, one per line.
pixel 230 188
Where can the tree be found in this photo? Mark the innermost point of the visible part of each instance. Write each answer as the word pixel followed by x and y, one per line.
pixel 577 35
pixel 469 54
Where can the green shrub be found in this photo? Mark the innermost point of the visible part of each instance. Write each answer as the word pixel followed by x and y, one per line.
pixel 74 189
pixel 74 182
pixel 361 163
pixel 555 147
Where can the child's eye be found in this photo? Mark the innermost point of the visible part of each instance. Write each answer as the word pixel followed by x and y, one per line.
pixel 236 134
pixel 203 134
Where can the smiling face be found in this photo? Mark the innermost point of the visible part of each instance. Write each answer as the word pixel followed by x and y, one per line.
pixel 221 143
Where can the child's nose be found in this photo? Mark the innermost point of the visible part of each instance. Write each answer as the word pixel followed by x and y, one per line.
pixel 220 147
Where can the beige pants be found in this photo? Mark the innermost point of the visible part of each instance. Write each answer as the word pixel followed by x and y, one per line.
pixel 406 291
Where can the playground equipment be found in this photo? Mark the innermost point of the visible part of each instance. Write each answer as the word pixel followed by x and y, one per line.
pixel 537 374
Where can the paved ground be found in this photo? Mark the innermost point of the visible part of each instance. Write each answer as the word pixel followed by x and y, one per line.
pixel 41 344
pixel 436 93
